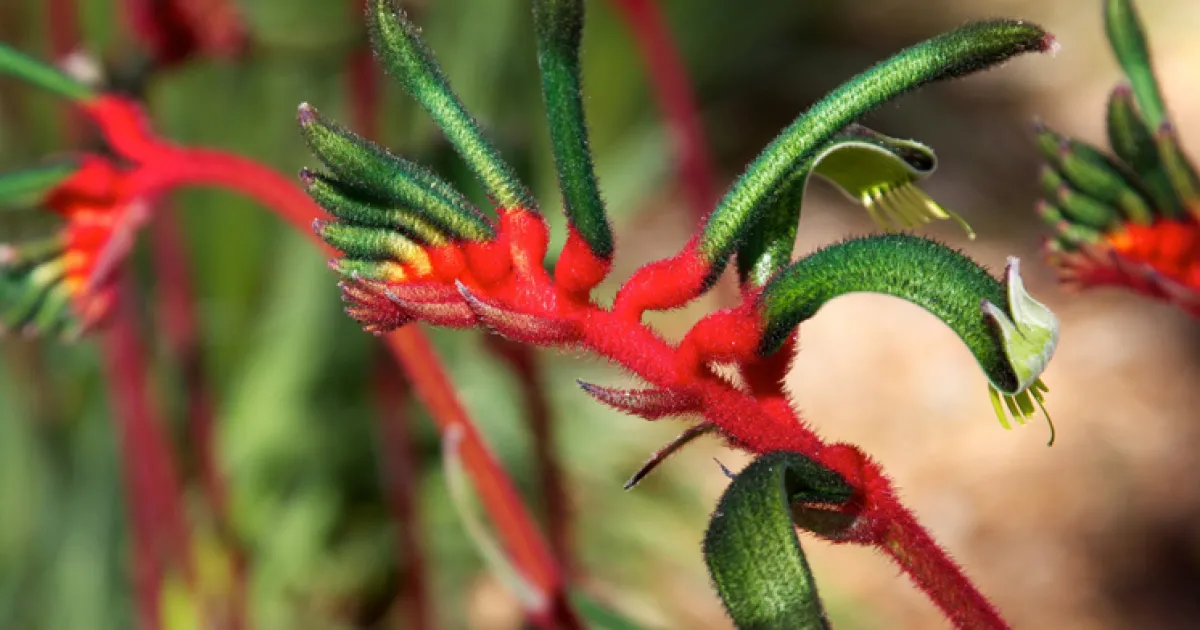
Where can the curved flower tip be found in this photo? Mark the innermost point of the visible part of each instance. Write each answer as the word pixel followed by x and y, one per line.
pixel 881 173
pixel 1028 337
pixel 62 285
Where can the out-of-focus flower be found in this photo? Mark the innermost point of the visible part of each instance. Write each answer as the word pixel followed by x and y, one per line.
pixel 1132 218
pixel 63 284
pixel 174 31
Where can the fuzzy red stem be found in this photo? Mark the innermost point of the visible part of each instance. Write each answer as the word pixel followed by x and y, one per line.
pixel 523 361
pixel 159 532
pixel 676 100
pixel 934 571
pixel 400 470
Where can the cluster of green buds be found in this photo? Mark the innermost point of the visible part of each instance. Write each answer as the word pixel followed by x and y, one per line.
pixel 1132 218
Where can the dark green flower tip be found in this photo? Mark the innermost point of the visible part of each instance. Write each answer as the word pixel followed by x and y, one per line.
pixel 1085 210
pixel 753 555
pixel 388 180
pixel 25 68
pixel 968 49
pixel 1100 177
pixel 1090 171
pixel 877 171
pixel 356 207
pixel 399 46
pixel 27 188
pixel 1133 142
pixel 1178 168
pixel 1010 334
pixel 1128 41
pixel 34 300
pixel 559 26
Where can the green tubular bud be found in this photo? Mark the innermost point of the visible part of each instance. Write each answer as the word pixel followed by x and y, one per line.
pixel 1095 174
pixel 379 271
pixel 965 50
pixel 29 187
pixel 1010 334
pixel 32 289
pixel 1049 142
pixel 753 555
pixel 559 25
pixel 874 170
pixel 391 179
pixel 398 44
pixel 46 77
pixel 352 206
pixel 369 243
pixel 1082 209
pixel 1128 42
pixel 1049 212
pixel 1177 167
pixel 1051 182
pixel 51 315
pixel 31 252
pixel 1078 234
pixel 1134 143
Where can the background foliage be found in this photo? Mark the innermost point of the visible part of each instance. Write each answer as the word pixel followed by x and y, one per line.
pixel 1095 533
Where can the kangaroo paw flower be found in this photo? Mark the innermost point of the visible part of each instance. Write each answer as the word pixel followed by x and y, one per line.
pixel 1131 219
pixel 61 285
pixel 1011 335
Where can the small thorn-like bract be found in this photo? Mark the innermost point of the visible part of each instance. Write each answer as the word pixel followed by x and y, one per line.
pixel 650 404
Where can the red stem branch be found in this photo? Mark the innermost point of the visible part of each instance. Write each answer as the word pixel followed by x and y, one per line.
pixel 153 495
pixel 515 526
pixel 676 99
pixel 400 470
pixel 523 361
pixel 177 316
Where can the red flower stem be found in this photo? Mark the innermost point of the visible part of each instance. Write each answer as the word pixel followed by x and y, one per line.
pixel 676 99
pixel 363 77
pixel 153 495
pixel 62 18
pixel 400 470
pixel 170 167
pixel 176 314
pixel 935 572
pixel 523 361
pixel 508 514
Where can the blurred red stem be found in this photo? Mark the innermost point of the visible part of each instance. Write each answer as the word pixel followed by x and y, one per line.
pixel 400 470
pixel 62 19
pixel 152 490
pixel 669 78
pixel 523 361
pixel 512 521
pixel 176 314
